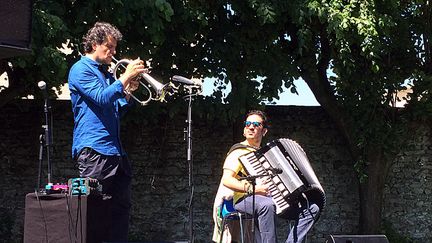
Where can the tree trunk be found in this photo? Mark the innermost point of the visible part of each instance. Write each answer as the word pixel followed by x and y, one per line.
pixel 371 191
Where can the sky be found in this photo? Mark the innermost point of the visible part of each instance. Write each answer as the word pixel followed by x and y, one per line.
pixel 304 98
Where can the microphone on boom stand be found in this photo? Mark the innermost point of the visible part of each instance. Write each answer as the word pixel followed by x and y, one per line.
pixel 191 86
pixel 45 138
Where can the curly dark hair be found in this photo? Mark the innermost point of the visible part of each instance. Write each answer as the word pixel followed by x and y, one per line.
pixel 262 114
pixel 98 34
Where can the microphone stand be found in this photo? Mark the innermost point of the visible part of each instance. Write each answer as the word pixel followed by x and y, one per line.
pixel 45 140
pixel 252 180
pixel 188 134
pixel 41 147
pixel 48 137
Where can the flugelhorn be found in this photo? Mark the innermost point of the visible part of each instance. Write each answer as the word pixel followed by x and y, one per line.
pixel 160 89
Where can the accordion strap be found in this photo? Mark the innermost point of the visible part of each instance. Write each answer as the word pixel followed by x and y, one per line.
pixel 239 146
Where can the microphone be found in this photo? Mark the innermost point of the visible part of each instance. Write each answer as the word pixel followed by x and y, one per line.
pixel 42 86
pixel 275 170
pixel 186 80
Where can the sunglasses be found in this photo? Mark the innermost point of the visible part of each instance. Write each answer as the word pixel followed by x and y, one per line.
pixel 255 124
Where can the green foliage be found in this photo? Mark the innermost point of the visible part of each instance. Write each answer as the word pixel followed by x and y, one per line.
pixel 359 167
pixel 258 47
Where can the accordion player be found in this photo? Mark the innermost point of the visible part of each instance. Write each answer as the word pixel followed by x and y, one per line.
pixel 291 177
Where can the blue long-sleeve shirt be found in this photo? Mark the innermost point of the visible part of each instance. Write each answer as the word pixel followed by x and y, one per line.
pixel 96 101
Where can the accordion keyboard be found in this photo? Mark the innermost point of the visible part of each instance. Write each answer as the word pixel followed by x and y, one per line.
pixel 277 189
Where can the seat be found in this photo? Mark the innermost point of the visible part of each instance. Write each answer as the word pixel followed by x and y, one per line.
pixel 228 213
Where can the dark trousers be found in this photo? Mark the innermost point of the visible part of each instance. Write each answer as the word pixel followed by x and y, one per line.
pixel 265 217
pixel 113 172
pixel 265 213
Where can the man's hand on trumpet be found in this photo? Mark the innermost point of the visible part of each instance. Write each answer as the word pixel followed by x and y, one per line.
pixel 133 85
pixel 130 76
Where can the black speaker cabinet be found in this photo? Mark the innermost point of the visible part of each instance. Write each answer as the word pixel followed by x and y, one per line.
pixel 61 218
pixel 357 239
pixel 15 26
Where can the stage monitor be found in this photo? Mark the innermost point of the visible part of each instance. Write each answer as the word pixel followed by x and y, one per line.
pixel 357 239
pixel 16 26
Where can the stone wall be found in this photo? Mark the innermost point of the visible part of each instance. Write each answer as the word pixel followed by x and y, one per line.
pixel 408 195
pixel 160 167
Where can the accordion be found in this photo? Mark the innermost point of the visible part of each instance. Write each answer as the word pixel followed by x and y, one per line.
pixel 291 177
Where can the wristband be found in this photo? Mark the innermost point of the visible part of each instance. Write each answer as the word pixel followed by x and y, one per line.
pixel 249 190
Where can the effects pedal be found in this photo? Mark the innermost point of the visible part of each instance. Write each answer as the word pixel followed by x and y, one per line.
pixel 84 186
pixel 51 188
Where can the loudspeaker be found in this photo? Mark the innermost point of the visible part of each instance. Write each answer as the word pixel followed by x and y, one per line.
pixel 182 241
pixel 15 25
pixel 357 239
pixel 62 218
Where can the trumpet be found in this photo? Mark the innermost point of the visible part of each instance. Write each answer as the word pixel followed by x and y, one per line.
pixel 161 90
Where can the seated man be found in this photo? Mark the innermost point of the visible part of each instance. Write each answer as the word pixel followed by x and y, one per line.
pixel 255 129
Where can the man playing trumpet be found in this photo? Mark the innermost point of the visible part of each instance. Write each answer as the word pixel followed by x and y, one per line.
pixel 98 101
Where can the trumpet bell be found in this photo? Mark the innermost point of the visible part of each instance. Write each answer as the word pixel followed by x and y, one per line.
pixel 158 87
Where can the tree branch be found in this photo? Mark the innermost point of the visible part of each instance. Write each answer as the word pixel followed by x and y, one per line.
pixel 316 78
